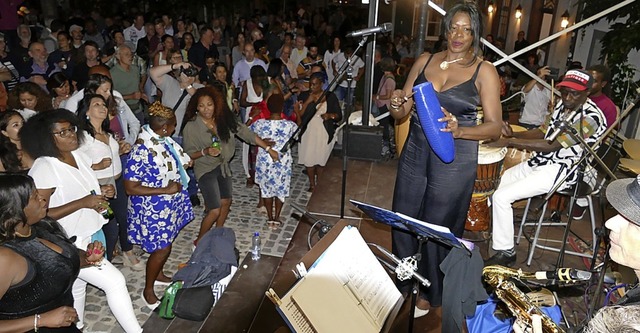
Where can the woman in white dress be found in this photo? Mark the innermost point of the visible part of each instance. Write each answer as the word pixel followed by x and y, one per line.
pixel 318 122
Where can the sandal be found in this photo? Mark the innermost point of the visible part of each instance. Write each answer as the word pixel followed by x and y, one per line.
pixel 274 224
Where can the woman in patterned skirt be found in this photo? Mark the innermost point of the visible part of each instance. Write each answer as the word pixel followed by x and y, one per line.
pixel 274 177
pixel 159 206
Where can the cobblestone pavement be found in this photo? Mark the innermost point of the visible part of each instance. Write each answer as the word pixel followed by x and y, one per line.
pixel 244 219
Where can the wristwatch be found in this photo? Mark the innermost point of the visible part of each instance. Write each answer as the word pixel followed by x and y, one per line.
pixel 189 86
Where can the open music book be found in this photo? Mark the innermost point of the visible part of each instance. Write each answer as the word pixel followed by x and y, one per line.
pixel 345 290
pixel 403 222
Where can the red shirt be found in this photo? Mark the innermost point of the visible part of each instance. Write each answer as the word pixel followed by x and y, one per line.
pixel 605 104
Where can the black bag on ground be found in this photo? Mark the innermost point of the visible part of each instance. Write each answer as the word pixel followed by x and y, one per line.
pixel 193 303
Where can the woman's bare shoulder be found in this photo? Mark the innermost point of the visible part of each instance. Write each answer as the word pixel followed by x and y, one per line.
pixel 487 71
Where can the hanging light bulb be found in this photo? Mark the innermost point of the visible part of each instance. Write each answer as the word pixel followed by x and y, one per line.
pixel 518 12
pixel 490 7
pixel 565 19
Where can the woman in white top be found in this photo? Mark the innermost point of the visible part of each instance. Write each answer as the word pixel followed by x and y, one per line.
pixel 64 178
pixel 162 57
pixel 105 151
pixel 252 94
pixel 330 54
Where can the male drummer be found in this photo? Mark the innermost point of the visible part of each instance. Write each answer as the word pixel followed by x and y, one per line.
pixel 551 161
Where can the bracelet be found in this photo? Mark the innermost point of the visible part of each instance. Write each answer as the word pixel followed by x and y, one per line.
pixel 202 151
pixel 189 87
pixel 36 319
pixel 172 67
pixel 267 148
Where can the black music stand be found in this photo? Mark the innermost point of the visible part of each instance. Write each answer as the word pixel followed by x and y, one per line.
pixel 423 232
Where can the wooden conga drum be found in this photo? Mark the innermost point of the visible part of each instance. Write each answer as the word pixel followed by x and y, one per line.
pixel 489 169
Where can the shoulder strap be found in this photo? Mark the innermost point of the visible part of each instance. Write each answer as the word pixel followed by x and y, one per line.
pixel 475 74
pixel 184 94
pixel 427 64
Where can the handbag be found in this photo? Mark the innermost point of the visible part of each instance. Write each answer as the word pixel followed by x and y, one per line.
pixel 193 303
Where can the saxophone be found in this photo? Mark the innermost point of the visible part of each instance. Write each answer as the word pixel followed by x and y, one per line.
pixel 517 302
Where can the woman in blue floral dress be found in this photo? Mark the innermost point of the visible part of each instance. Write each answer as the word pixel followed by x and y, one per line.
pixel 159 205
pixel 274 177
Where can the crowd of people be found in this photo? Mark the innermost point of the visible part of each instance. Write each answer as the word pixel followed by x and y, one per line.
pixel 114 124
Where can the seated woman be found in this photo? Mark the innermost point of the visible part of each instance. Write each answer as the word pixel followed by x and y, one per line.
pixel 39 263
pixel 105 153
pixel 209 121
pixel 159 207
pixel 64 178
pixel 12 158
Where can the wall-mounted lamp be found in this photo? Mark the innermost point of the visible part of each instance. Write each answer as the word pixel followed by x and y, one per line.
pixel 565 19
pixel 518 12
pixel 490 7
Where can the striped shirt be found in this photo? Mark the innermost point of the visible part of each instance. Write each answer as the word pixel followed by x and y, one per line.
pixel 589 120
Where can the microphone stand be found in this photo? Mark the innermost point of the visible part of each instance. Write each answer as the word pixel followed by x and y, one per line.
pixel 348 69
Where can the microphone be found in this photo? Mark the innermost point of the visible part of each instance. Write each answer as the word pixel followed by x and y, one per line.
pixel 325 226
pixel 561 126
pixel 385 27
pixel 564 274
pixel 405 268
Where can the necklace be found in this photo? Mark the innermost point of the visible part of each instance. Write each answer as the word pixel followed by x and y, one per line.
pixel 444 65
pixel 24 236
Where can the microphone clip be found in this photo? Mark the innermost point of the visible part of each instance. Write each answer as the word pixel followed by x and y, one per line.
pixel 561 125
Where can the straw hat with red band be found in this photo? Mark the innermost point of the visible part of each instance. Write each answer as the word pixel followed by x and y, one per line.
pixel 577 79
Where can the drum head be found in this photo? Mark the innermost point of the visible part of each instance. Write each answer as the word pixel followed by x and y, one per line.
pixel 632 147
pixel 489 155
pixel 630 165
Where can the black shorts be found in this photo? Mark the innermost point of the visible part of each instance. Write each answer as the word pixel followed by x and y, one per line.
pixel 214 187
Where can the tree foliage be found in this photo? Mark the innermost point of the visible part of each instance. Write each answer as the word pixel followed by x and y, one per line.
pixel 622 38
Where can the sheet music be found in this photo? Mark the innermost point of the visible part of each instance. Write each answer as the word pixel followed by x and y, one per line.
pixel 350 280
pixel 297 319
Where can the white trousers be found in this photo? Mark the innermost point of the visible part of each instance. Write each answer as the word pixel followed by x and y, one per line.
pixel 108 278
pixel 517 183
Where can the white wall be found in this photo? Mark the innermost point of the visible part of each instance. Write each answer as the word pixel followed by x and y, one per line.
pixel 583 45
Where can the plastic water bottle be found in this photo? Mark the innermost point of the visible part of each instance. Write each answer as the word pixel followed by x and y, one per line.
pixel 256 247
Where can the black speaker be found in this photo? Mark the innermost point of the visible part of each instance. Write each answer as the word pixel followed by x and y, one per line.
pixel 365 143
